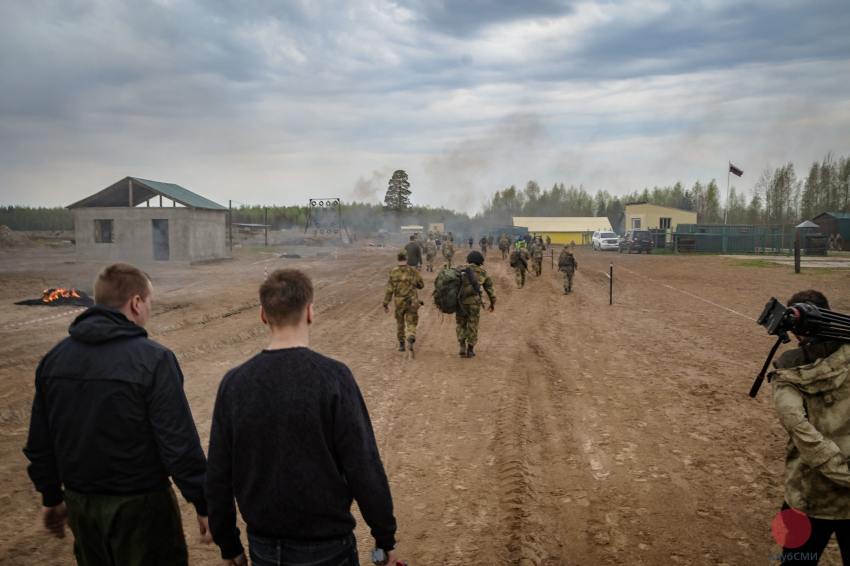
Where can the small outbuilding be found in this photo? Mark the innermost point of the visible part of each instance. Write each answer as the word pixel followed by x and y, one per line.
pixel 836 227
pixel 564 229
pixel 647 216
pixel 120 223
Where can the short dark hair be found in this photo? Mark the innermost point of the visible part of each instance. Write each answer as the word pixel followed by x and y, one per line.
pixel 412 237
pixel 284 296
pixel 118 283
pixel 810 296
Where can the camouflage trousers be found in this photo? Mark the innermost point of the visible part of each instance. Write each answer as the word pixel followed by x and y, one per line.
pixel 429 262
pixel 520 276
pixel 568 279
pixel 466 324
pixel 406 320
pixel 449 259
pixel 538 266
pixel 504 253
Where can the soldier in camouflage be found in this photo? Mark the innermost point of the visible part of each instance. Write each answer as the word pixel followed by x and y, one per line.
pixel 430 254
pixel 504 246
pixel 466 321
pixel 811 394
pixel 521 264
pixel 402 287
pixel 449 251
pixel 483 243
pixel 537 257
pixel 568 264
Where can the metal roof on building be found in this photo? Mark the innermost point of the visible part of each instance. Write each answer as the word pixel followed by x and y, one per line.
pixel 563 223
pixel 118 194
pixel 838 215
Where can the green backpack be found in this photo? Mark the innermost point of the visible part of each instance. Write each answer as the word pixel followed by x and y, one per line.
pixel 448 288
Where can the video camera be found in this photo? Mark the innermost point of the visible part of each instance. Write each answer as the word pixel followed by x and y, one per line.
pixel 803 319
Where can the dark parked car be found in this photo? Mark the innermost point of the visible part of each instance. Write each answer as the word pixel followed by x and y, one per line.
pixel 636 241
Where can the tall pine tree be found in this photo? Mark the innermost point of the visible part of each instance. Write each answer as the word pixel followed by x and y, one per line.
pixel 398 192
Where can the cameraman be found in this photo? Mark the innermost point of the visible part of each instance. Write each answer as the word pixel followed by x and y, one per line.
pixel 811 394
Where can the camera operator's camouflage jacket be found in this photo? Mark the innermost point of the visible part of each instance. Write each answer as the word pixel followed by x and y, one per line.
pixel 813 404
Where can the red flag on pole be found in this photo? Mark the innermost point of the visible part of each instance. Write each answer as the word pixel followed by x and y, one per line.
pixel 735 171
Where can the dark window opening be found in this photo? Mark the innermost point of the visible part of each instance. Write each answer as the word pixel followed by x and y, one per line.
pixel 103 233
pixel 665 223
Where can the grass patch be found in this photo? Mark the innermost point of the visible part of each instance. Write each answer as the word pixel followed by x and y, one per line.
pixel 757 263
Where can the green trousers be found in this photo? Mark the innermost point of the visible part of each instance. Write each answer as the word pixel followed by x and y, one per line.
pixel 127 530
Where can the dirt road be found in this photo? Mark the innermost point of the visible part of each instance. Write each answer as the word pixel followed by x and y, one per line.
pixel 581 434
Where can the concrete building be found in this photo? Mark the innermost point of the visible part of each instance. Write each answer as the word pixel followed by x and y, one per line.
pixel 646 216
pixel 120 224
pixel 564 229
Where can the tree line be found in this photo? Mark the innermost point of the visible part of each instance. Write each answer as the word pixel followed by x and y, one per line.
pixel 778 197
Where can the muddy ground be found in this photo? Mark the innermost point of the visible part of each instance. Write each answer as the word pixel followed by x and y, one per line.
pixel 582 433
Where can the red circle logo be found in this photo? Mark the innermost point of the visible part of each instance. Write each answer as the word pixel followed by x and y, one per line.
pixel 791 528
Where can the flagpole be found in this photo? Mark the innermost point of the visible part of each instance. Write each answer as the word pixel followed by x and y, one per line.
pixel 726 210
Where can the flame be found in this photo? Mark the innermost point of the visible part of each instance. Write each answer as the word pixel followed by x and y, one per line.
pixel 50 295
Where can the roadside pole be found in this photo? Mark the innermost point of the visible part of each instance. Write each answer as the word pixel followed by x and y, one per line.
pixel 611 284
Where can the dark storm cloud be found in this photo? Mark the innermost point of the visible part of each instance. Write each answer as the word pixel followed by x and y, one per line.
pixel 314 91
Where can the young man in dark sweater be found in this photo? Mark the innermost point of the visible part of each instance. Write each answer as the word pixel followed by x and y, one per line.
pixel 291 440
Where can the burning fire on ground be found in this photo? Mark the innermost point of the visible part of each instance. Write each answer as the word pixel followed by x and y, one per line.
pixel 60 296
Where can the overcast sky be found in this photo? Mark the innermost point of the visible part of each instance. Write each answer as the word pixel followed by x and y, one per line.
pixel 273 102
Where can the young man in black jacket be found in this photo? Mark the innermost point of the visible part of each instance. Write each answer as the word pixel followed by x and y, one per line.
pixel 110 423
pixel 291 440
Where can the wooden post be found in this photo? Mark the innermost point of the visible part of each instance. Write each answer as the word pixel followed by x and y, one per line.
pixel 130 194
pixel 611 284
pixel 266 222
pixel 229 223
pixel 797 253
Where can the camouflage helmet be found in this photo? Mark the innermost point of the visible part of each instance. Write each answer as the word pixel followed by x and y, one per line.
pixel 475 257
pixel 402 255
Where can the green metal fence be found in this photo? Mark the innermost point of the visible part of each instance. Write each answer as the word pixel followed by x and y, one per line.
pixel 735 238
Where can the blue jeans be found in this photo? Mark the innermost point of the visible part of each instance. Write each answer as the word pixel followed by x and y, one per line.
pixel 287 552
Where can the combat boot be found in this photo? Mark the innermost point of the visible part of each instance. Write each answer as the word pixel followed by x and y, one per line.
pixel 462 352
pixel 410 341
pixel 470 352
pixel 401 345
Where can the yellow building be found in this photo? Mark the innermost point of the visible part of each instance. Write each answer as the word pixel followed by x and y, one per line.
pixel 564 229
pixel 645 216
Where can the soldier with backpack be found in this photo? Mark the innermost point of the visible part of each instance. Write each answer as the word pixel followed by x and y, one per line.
pixel 537 257
pixel 519 261
pixel 482 243
pixel 449 251
pixel 568 264
pixel 467 317
pixel 403 284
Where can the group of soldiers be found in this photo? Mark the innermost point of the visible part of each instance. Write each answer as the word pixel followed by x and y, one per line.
pixel 405 281
pixel 525 253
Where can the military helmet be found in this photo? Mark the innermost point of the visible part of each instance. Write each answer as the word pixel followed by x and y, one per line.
pixel 402 255
pixel 475 257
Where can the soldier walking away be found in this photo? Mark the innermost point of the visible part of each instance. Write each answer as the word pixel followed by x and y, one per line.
pixel 812 399
pixel 471 242
pixel 537 257
pixel 430 254
pixel 548 241
pixel 519 261
pixel 449 251
pixel 482 243
pixel 466 320
pixel 568 264
pixel 110 423
pixel 403 284
pixel 413 249
pixel 504 246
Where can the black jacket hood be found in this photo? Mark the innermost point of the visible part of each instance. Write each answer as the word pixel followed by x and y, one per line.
pixel 101 324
